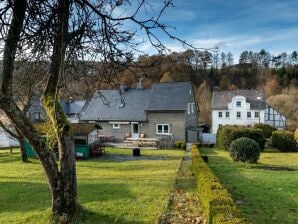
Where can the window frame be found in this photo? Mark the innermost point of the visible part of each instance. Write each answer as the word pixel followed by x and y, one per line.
pixel 239 103
pixel 238 112
pixel 219 114
pixel 257 113
pixel 248 113
pixel 116 126
pixel 192 108
pixel 228 113
pixel 163 129
pixel 188 108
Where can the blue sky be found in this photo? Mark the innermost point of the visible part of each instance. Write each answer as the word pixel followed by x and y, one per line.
pixel 234 25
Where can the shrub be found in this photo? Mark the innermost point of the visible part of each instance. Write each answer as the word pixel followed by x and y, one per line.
pixel 296 135
pixel 266 128
pixel 177 144
pixel 183 145
pixel 217 202
pixel 245 150
pixel 180 145
pixel 227 134
pixel 284 141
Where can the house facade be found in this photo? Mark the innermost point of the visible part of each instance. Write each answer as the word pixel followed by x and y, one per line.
pixel 167 110
pixel 243 107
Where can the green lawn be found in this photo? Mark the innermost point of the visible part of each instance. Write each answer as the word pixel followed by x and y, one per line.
pixel 263 195
pixel 117 188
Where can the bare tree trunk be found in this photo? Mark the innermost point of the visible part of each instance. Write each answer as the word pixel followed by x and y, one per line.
pixel 62 183
pixel 67 188
pixel 22 146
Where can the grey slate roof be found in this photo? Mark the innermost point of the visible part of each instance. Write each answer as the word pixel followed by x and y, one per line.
pixel 161 97
pixel 170 96
pixel 105 105
pixel 73 107
pixel 220 99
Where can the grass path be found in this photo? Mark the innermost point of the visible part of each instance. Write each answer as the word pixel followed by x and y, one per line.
pixel 184 206
pixel 263 194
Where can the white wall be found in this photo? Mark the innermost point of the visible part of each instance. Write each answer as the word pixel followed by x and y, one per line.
pixel 232 119
pixel 6 140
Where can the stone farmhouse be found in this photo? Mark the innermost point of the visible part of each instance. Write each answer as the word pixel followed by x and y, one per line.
pixel 165 110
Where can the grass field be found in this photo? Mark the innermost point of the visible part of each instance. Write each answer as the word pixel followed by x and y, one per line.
pixel 117 188
pixel 266 192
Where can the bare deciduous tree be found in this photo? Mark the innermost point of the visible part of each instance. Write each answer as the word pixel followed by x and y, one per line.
pixel 65 33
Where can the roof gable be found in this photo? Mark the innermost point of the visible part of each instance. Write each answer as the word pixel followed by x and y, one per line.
pixel 221 99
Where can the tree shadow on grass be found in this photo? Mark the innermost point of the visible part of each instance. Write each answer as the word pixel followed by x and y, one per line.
pixel 29 196
pixel 126 157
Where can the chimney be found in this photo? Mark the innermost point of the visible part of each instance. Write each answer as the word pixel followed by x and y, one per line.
pixel 139 84
pixel 70 99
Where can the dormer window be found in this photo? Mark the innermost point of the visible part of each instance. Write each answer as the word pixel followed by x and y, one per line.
pixel 238 103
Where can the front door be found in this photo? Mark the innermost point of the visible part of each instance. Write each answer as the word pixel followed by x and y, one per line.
pixel 135 130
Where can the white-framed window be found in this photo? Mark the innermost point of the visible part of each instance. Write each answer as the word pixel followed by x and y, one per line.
pixel 238 114
pixel 227 114
pixel 192 107
pixel 162 129
pixel 257 114
pixel 188 108
pixel 116 126
pixel 219 114
pixel 248 114
pixel 238 103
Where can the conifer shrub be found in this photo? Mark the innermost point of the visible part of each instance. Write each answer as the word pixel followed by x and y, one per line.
pixel 245 150
pixel 284 141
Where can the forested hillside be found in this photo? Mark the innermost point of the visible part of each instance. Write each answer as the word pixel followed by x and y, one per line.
pixel 277 75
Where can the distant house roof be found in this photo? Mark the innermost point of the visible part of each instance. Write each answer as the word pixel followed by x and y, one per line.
pixel 170 96
pixel 132 104
pixel 221 99
pixel 110 105
pixel 72 106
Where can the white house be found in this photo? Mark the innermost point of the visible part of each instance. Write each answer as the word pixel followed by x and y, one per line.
pixel 6 140
pixel 243 107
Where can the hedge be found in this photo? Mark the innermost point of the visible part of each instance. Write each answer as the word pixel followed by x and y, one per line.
pixel 227 134
pixel 216 201
pixel 284 141
pixel 296 135
pixel 180 144
pixel 266 128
